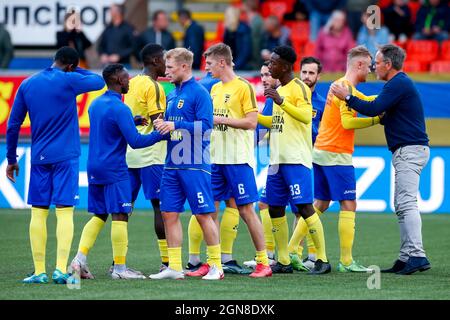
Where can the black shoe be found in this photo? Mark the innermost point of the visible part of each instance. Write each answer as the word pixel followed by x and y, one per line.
pixel 398 265
pixel 190 267
pixel 320 267
pixel 415 264
pixel 233 267
pixel 281 268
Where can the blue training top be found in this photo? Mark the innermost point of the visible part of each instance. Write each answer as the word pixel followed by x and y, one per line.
pixel 404 120
pixel 49 97
pixel 318 105
pixel 190 107
pixel 112 128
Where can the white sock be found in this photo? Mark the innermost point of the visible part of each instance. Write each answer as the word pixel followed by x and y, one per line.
pixel 81 257
pixel 226 257
pixel 119 268
pixel 271 255
pixel 312 257
pixel 194 259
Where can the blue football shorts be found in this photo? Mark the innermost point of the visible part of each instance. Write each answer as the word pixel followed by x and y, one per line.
pixel 110 198
pixel 335 183
pixel 234 180
pixel 150 179
pixel 179 185
pixel 289 183
pixel 55 183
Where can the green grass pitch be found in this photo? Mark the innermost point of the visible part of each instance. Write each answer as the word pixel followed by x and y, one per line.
pixel 376 243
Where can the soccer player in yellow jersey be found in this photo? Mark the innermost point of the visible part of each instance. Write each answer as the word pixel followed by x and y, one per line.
pixel 232 157
pixel 290 176
pixel 334 174
pixel 147 101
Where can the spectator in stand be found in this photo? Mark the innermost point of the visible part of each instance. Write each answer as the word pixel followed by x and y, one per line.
pixel 397 17
pixel 157 33
pixel 433 21
pixel 117 40
pixel 238 36
pixel 334 41
pixel 72 36
pixel 6 48
pixel 256 23
pixel 274 35
pixel 372 37
pixel 354 10
pixel 299 12
pixel 194 36
pixel 319 14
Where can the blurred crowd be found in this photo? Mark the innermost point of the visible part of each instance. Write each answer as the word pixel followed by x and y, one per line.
pixel 252 28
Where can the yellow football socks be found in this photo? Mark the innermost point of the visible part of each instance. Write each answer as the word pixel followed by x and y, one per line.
pixel 228 229
pixel 267 226
pixel 346 228
pixel 163 251
pixel 89 234
pixel 38 238
pixel 299 233
pixel 195 235
pixel 213 253
pixel 261 257
pixel 119 240
pixel 64 236
pixel 175 259
pixel 317 235
pixel 281 235
pixel 309 241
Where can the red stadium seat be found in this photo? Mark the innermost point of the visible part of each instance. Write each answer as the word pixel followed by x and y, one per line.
pixel 300 31
pixel 445 50
pixel 440 67
pixel 414 66
pixel 423 51
pixel 303 50
pixel 401 44
pixel 276 8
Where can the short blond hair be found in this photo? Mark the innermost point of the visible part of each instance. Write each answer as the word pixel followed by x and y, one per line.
pixel 359 51
pixel 220 50
pixel 181 55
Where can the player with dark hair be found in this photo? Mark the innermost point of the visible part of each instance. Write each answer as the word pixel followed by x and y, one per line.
pixel 290 175
pixel 310 70
pixel 49 97
pixel 147 102
pixel 112 128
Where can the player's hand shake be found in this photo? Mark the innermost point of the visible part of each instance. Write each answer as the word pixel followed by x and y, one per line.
pixel 140 121
pixel 162 126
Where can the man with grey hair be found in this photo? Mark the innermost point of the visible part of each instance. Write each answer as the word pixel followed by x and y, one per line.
pixel 404 127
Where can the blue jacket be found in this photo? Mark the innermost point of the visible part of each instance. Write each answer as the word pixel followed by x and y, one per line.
pixel 318 105
pixel 208 81
pixel 112 128
pixel 190 107
pixel 49 97
pixel 404 121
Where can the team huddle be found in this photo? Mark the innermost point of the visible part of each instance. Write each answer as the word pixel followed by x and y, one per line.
pixel 196 144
